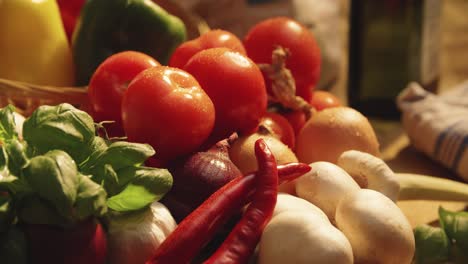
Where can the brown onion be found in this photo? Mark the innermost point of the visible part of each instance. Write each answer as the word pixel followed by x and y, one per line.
pixel 243 156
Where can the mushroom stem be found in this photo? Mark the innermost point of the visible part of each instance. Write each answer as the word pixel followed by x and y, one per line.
pixel 364 167
pixel 421 187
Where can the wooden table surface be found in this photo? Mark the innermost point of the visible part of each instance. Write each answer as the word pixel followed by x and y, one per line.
pixel 395 145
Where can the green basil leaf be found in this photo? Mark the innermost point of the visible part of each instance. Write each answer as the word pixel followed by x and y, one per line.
pixel 14 247
pixel 147 186
pixel 6 213
pixel 107 177
pixel 111 179
pixel 34 210
pixel 123 154
pixel 125 176
pixel 7 124
pixel 95 148
pixel 13 185
pixel 4 172
pixel 54 176
pixel 432 245
pixel 59 127
pixel 91 199
pixel 3 159
pixel 133 197
pixel 15 157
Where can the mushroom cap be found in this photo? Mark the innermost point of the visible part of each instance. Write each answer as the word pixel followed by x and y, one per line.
pixel 325 185
pixel 375 226
pixel 303 237
pixel 287 203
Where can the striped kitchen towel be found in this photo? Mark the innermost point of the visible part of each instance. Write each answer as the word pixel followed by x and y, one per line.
pixel 437 125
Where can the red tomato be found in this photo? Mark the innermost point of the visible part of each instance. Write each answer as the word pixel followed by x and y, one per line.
pixel 235 85
pixel 109 82
pixel 323 99
pixel 297 120
pixel 304 60
pixel 280 126
pixel 166 108
pixel 211 39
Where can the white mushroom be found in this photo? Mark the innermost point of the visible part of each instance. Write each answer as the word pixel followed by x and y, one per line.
pixel 325 185
pixel 376 228
pixel 373 173
pixel 287 203
pixel 364 167
pixel 303 237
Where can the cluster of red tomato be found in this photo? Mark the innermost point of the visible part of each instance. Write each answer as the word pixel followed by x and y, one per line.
pixel 211 88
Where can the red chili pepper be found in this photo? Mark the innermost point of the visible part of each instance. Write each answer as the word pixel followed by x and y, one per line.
pixel 241 242
pixel 198 228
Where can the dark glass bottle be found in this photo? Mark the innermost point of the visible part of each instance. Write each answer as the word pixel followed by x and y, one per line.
pixel 391 43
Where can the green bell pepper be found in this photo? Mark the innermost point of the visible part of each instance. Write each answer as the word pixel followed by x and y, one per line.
pixel 106 27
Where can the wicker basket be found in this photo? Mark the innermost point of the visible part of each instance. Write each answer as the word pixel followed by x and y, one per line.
pixel 27 97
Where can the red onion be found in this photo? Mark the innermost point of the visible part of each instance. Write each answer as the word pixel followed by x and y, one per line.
pixel 199 176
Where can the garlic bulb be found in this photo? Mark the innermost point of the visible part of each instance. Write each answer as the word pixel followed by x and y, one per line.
pixel 133 238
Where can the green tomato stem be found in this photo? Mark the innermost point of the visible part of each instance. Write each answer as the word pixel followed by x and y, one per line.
pixel 421 187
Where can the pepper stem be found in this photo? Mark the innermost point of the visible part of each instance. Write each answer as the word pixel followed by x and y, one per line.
pixel 420 187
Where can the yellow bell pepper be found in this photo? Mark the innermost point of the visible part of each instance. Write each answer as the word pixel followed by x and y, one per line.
pixel 33 44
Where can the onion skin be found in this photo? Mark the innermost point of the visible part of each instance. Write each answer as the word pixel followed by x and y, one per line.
pixel 330 132
pixel 242 154
pixel 206 170
pixel 199 176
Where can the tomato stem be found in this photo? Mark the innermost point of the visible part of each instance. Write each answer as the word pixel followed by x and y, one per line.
pixel 283 85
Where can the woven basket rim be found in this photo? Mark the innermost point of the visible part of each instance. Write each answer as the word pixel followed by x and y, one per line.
pixel 26 97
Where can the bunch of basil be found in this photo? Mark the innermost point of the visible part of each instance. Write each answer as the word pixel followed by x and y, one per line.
pixel 445 244
pixel 61 172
